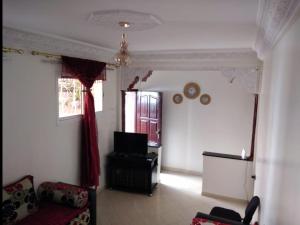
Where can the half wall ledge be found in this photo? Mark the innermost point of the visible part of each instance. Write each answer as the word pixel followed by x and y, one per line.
pixel 228 176
pixel 227 156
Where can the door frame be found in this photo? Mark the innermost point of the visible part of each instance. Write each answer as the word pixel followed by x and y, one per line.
pixel 123 109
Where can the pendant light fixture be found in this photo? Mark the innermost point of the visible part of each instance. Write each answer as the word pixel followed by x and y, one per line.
pixel 122 58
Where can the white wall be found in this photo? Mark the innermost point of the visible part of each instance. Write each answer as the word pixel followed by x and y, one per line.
pixel 107 120
pixel 278 144
pixel 188 129
pixel 130 111
pixel 236 174
pixel 34 142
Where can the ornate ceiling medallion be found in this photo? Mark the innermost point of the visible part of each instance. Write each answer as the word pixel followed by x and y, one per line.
pixel 138 21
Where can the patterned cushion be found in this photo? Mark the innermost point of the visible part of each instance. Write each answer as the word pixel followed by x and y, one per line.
pixel 202 221
pixel 19 200
pixel 82 219
pixel 67 194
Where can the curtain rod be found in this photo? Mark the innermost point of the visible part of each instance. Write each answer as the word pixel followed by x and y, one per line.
pixel 109 66
pixel 12 50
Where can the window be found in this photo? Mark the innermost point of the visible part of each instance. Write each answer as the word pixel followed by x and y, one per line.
pixel 70 97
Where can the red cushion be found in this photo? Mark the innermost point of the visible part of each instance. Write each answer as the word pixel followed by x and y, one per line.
pixel 52 214
pixel 204 221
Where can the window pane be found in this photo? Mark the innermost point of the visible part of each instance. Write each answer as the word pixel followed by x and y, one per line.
pixel 97 93
pixel 70 97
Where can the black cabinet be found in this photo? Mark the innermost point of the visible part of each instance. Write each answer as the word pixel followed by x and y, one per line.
pixel 132 172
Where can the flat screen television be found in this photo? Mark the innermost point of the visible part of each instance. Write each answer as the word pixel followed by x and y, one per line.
pixel 130 143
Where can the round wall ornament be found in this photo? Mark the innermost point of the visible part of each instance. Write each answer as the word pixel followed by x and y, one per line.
pixel 177 98
pixel 205 99
pixel 191 90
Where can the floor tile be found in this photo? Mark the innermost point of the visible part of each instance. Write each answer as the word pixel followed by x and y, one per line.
pixel 175 201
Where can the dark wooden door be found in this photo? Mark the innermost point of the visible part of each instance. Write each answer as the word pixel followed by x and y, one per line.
pixel 148 116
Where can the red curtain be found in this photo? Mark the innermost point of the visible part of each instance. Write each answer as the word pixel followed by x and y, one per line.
pixel 87 71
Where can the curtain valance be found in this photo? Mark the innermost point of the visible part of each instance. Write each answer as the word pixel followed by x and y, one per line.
pixel 87 71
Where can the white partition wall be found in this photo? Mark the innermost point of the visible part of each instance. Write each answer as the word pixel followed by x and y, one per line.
pixel 227 177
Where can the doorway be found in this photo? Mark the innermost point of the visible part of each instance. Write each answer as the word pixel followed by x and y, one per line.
pixel 142 113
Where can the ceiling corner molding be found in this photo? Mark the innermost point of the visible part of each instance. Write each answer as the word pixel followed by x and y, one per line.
pixel 55 45
pixel 129 75
pixel 247 78
pixel 273 18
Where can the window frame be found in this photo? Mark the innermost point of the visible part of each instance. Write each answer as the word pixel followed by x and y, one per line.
pixel 72 117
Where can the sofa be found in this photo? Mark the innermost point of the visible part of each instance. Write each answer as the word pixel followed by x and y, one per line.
pixel 206 219
pixel 54 203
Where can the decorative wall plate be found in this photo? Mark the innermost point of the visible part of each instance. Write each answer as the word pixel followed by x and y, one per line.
pixel 205 99
pixel 177 98
pixel 191 90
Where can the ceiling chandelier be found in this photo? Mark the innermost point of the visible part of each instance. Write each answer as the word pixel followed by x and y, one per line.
pixel 122 58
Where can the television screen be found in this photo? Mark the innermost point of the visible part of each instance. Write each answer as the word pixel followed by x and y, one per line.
pixel 130 143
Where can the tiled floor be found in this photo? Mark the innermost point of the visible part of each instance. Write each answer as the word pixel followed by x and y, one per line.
pixel 175 201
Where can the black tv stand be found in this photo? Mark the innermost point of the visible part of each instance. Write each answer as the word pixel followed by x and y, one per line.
pixel 132 172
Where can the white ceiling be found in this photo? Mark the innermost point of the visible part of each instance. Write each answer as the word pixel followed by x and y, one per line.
pixel 186 24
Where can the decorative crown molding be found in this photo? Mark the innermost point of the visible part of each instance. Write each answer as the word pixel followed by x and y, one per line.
pixel 194 59
pixel 55 44
pixel 239 65
pixel 273 18
pixel 231 62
